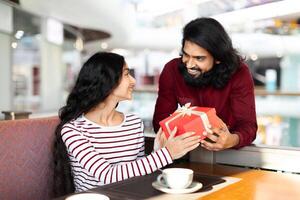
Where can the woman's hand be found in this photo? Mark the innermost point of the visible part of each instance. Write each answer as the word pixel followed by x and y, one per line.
pixel 178 146
pixel 160 140
pixel 221 139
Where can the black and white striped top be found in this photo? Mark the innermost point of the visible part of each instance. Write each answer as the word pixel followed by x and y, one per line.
pixel 101 155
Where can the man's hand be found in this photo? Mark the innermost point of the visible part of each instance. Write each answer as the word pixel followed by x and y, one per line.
pixel 221 139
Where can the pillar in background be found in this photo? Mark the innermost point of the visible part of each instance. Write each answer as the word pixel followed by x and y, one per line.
pixel 51 65
pixel 5 57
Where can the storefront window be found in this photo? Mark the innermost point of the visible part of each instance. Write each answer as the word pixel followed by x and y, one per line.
pixel 26 61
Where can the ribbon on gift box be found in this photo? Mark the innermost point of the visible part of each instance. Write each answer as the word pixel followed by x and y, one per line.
pixel 187 110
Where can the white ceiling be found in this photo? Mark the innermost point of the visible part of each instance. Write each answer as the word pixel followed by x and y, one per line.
pixel 109 16
pixel 117 17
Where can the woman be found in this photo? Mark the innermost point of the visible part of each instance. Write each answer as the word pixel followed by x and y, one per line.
pixel 97 145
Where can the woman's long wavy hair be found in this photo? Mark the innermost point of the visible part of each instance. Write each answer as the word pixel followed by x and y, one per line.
pixel 210 35
pixel 97 78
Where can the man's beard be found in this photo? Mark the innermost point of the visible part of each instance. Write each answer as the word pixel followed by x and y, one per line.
pixel 202 80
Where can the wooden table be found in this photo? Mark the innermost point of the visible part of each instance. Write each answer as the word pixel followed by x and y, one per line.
pixel 254 184
pixel 12 115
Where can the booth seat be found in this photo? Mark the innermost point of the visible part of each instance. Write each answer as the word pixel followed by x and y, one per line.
pixel 26 161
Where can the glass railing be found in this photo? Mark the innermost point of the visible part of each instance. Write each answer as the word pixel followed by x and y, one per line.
pixel 278 115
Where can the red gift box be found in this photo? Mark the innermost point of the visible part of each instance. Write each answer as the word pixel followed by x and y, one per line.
pixel 191 119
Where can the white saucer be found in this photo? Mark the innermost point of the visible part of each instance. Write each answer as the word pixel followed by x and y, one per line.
pixel 192 188
pixel 88 196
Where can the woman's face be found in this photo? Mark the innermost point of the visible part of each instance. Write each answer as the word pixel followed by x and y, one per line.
pixel 196 59
pixel 125 88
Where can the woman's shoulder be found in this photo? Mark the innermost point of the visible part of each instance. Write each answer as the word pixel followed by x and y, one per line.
pixel 129 117
pixel 133 121
pixel 75 124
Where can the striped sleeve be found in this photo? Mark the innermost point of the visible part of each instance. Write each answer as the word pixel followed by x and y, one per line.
pixel 81 148
pixel 142 150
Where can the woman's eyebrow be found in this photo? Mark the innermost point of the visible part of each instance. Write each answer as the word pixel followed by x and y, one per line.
pixel 125 70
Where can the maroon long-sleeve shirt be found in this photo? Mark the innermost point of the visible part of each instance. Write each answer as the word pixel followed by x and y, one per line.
pixel 235 103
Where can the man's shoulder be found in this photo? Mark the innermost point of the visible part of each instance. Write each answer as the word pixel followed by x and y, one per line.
pixel 242 75
pixel 170 70
pixel 242 70
pixel 244 66
pixel 172 63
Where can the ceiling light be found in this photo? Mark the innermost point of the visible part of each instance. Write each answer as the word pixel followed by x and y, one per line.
pixel 104 45
pixel 14 45
pixel 253 57
pixel 79 44
pixel 19 34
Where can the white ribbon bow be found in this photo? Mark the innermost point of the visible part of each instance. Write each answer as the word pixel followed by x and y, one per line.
pixel 187 110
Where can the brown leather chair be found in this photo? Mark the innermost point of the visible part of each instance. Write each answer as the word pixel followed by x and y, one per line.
pixel 26 159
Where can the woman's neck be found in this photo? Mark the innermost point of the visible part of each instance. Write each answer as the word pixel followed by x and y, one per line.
pixel 105 114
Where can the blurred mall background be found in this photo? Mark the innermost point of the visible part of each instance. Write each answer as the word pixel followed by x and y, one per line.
pixel 44 43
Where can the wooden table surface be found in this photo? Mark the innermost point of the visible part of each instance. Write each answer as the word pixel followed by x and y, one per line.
pixel 254 184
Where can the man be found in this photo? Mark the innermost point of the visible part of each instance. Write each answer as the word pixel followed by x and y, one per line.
pixel 210 73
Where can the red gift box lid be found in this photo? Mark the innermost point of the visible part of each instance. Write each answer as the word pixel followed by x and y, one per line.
pixel 191 119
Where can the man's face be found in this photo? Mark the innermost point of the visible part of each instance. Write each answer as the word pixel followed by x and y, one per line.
pixel 196 59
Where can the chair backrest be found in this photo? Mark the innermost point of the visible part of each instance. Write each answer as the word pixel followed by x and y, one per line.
pixel 26 159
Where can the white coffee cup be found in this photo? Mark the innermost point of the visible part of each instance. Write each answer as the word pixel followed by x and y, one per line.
pixel 87 196
pixel 176 178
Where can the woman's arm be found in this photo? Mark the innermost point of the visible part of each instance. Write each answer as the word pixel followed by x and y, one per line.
pixel 80 147
pixel 86 155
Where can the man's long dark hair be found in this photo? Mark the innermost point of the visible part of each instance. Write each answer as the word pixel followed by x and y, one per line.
pixel 210 35
pixel 97 78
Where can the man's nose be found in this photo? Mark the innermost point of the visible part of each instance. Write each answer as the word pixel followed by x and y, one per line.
pixel 190 63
